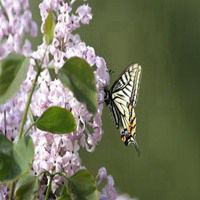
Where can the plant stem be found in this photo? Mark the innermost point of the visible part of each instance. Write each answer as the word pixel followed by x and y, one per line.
pixel 49 187
pixel 28 104
pixel 39 69
pixel 27 130
pixel 31 116
pixel 5 124
pixel 12 188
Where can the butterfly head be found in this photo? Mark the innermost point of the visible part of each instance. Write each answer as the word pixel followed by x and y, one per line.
pixel 129 139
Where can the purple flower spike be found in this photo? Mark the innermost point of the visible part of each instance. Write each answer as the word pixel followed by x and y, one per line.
pixel 16 21
pixel 54 153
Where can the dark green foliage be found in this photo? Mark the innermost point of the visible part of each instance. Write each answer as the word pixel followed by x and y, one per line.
pixel 56 120
pixel 13 70
pixel 77 75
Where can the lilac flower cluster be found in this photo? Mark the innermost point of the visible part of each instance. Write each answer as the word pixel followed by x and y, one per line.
pixel 52 92
pixel 16 21
pixel 3 192
pixel 53 153
pixel 109 192
pixel 60 153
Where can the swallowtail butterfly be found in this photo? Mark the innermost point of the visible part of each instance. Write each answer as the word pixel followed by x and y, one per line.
pixel 121 100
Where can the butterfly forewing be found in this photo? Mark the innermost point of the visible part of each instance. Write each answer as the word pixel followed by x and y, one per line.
pixel 124 96
pixel 136 83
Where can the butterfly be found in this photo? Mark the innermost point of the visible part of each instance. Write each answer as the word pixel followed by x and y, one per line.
pixel 121 100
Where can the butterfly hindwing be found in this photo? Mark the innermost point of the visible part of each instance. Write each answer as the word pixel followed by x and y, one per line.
pixel 115 113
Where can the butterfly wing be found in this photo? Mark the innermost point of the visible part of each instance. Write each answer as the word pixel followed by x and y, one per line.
pixel 127 85
pixel 124 94
pixel 115 113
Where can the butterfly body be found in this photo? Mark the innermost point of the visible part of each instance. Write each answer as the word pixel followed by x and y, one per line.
pixel 121 101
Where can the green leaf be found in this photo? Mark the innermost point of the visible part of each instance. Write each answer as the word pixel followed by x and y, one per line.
pixel 15 159
pixel 56 120
pixel 83 186
pixel 13 71
pixel 52 73
pixel 9 168
pixel 49 27
pixel 65 195
pixel 77 75
pixel 26 188
pixel 93 196
pixel 24 153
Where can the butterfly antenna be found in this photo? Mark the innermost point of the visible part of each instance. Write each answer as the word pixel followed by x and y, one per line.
pixel 137 148
pixel 134 142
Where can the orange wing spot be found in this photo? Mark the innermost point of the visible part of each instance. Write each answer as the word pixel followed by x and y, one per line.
pixel 129 128
pixel 123 138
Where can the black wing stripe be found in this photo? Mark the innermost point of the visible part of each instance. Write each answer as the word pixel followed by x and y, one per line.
pixel 116 117
pixel 124 91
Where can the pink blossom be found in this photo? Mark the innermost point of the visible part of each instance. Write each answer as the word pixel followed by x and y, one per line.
pixel 109 192
pixel 16 21
pixel 3 192
pixel 84 13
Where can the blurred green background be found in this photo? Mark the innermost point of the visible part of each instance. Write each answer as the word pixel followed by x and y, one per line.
pixel 164 37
